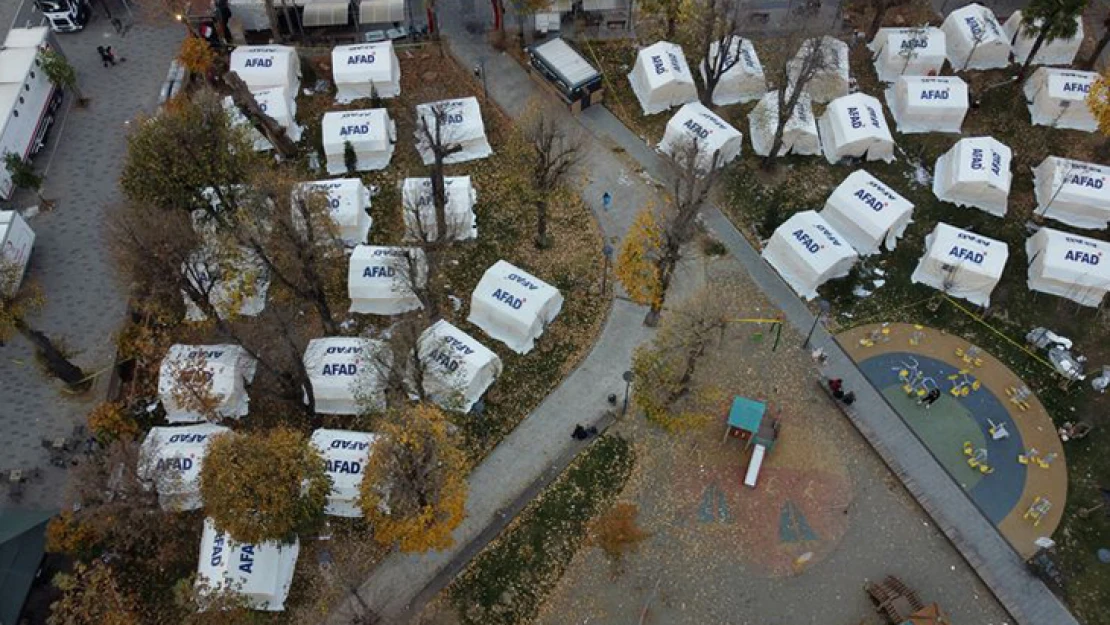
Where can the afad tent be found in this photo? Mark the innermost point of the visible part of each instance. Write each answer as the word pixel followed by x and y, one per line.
pixel 807 252
pixel 1073 192
pixel 364 69
pixel 661 78
pixel 718 143
pixel 420 211
pixel 170 461
pixel 854 127
pixel 460 123
pixel 908 52
pixel 961 263
pixel 513 306
pixel 369 131
pixel 1068 265
pixel 744 81
pixel 920 104
pixel 345 454
pixel 975 39
pixel 867 213
pixel 457 368
pixel 1058 98
pixel 275 102
pixel 975 172
pixel 831 80
pixel 799 136
pixel 260 575
pixel 205 382
pixel 1055 52
pixel 346 374
pixel 380 280
pixel 236 285
pixel 348 200
pixel 263 67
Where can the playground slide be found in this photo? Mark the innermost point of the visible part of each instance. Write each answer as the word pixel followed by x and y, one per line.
pixel 755 465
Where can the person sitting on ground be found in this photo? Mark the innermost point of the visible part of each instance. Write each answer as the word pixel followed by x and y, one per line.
pixel 929 399
pixel 849 398
pixel 836 385
pixel 579 433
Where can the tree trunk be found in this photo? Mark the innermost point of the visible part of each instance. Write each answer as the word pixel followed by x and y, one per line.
pixel 265 124
pixel 776 145
pixel 275 24
pixel 672 23
pixel 877 21
pixel 1032 53
pixel 1089 64
pixel 439 196
pixel 56 362
pixel 541 224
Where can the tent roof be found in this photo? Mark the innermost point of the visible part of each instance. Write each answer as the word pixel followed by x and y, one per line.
pixel 345 453
pixel 419 209
pixel 265 66
pixel 222 365
pixel 464 118
pixel 666 62
pixel 172 457
pixel 696 122
pixel 364 62
pixel 811 238
pixel 22 545
pixel 262 573
pixel 927 41
pixel 365 129
pixel 347 197
pixel 968 250
pixel 1077 181
pixel 976 21
pixel 940 92
pixel 747 64
pixel 455 362
pixel 377 272
pixel 983 159
pixel 1072 258
pixel 1063 84
pixel 338 365
pixel 525 295
pixel 564 60
pixel 858 116
pixel 870 204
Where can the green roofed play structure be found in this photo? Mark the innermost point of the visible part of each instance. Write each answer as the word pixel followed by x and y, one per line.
pixel 748 421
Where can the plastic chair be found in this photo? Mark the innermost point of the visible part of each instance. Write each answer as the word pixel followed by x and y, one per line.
pixel 968 448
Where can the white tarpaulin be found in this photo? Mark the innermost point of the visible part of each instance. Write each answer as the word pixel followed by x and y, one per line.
pixel 799 136
pixel 1068 265
pixel 867 213
pixel 975 39
pixel 420 210
pixel 380 280
pixel 1055 52
pixel 744 81
pixel 274 102
pixel 170 460
pixel 961 263
pixel 513 306
pixel 344 371
pixel 460 123
pixel 807 252
pixel 831 80
pixel 717 141
pixel 854 127
pixel 364 68
pixel 975 172
pixel 205 382
pixel 345 454
pixel 236 286
pixel 263 67
pixel 348 200
pixel 919 104
pixel 260 574
pixel 1058 98
pixel 371 133
pixel 1073 192
pixel 457 368
pixel 661 78
pixel 908 52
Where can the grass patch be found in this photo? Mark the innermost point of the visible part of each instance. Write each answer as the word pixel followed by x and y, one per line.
pixel 509 581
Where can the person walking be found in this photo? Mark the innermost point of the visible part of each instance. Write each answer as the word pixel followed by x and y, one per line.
pixel 606 200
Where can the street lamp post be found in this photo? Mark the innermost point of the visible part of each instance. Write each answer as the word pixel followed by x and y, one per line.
pixel 627 377
pixel 607 252
pixel 481 70
pixel 823 309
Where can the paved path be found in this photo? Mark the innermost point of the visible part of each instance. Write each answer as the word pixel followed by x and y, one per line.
pixel 72 261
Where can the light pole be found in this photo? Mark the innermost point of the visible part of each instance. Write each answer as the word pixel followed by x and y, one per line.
pixel 607 252
pixel 823 309
pixel 481 71
pixel 627 377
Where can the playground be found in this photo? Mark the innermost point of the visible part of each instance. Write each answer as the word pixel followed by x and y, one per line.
pixel 985 426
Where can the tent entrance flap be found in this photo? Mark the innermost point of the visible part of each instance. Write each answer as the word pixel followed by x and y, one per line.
pixel 326 14
pixel 381 11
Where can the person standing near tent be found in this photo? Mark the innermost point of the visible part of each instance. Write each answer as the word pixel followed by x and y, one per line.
pixel 606 200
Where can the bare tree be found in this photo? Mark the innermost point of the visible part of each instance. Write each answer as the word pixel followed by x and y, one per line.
pixel 434 135
pixel 1100 45
pixel 717 35
pixel 556 151
pixel 881 7
pixel 793 77
pixel 268 126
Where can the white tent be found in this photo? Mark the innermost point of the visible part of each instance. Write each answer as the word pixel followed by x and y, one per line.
pixel 1058 98
pixel 867 213
pixel 1068 265
pixel 1073 192
pixel 513 306
pixel 799 136
pixel 419 209
pixel 344 370
pixel 744 81
pixel 365 67
pixel 275 102
pixel 457 369
pixel 975 172
pixel 714 136
pixel 370 131
pixel 961 263
pixel 854 127
pixel 975 39
pixel 920 104
pixel 349 201
pixel 807 252
pixel 263 67
pixel 202 382
pixel 460 123
pixel 831 80
pixel 908 52
pixel 1055 52
pixel 380 280
pixel 661 79
pixel 345 454
pixel 170 460
pixel 236 286
pixel 260 574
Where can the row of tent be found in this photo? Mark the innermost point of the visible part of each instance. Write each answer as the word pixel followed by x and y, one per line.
pixel 359 71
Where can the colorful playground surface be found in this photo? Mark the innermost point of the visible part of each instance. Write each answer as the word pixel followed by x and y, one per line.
pixel 987 428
